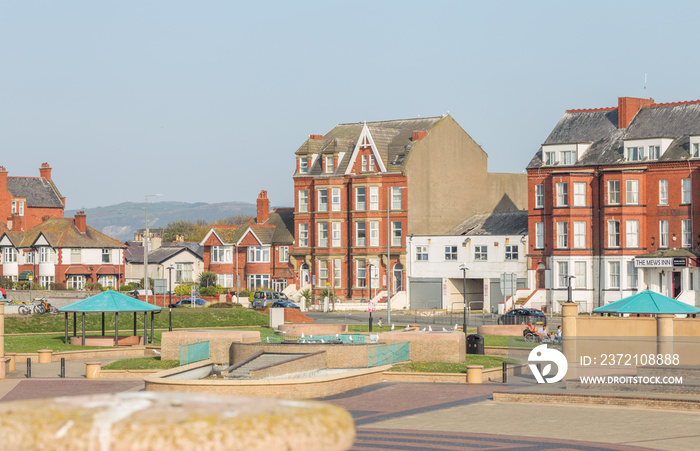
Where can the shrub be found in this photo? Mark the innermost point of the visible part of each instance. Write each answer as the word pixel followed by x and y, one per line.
pixel 93 286
pixel 221 305
pixel 127 287
pixel 6 282
pixel 309 295
pixel 57 286
pixel 209 291
pixel 207 279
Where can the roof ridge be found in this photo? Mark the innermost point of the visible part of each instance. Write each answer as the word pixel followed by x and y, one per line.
pixel 686 102
pixel 393 120
pixel 591 110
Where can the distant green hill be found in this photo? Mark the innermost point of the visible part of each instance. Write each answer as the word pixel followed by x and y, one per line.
pixel 121 221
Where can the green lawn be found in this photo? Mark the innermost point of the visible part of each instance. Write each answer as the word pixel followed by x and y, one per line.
pixel 142 363
pixel 441 367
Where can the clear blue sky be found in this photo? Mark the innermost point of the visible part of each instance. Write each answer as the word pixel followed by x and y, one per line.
pixel 206 101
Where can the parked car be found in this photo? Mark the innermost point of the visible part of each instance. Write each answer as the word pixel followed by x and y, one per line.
pixel 284 304
pixel 261 299
pixel 523 316
pixel 187 302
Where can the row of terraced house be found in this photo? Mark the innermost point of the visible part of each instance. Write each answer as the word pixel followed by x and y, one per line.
pixel 407 210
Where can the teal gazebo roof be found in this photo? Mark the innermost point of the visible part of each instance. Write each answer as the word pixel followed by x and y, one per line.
pixel 109 301
pixel 648 302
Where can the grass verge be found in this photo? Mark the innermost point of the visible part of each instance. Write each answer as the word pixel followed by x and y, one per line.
pixel 442 367
pixel 142 363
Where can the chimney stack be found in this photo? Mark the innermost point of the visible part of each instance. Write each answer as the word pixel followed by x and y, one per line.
pixel 263 207
pixel 3 179
pixel 317 137
pixel 627 108
pixel 45 171
pixel 418 135
pixel 80 221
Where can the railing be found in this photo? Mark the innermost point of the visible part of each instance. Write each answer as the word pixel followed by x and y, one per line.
pixel 194 352
pixel 390 353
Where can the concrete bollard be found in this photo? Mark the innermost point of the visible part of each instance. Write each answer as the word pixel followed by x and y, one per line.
pixel 161 421
pixel 13 361
pixel 92 370
pixel 475 374
pixel 44 355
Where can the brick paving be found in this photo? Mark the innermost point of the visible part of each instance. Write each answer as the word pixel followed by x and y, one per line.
pixel 413 416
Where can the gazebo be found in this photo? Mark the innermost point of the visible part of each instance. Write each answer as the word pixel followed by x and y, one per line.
pixel 110 302
pixel 649 303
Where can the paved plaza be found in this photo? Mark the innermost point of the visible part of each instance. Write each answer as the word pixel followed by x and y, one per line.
pixel 422 416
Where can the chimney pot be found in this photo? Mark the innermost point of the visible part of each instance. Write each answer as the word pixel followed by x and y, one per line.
pixel 45 171
pixel 317 137
pixel 79 221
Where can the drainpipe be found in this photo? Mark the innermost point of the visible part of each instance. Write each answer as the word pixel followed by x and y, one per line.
pixel 601 187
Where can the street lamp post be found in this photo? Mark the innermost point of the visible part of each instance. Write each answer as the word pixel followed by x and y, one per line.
pixel 170 300
pixel 464 290
pixel 145 249
pixel 569 290
pixel 389 272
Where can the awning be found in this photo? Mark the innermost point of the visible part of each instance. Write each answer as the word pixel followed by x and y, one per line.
pixel 24 275
pixel 648 302
pixel 78 269
pixel 107 270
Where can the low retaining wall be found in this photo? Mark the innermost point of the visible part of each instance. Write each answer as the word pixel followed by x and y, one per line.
pixel 313 329
pixel 315 361
pixel 337 355
pixel 305 388
pixel 513 330
pixel 220 342
pixel 489 374
pixel 431 346
pixel 106 340
pixel 126 374
pixel 88 354
pixel 641 402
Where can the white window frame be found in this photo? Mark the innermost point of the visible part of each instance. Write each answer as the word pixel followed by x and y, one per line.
pixel 563 273
pixel 283 254
pixel 374 233
pixel 330 163
pixel 422 253
pixel 663 192
pixel 29 256
pixel 686 233
pixel 562 194
pixel 322 233
pixel 45 254
pixel 335 234
pixel 632 192
pixel 654 152
pixel 303 201
pixel 221 254
pixel 632 233
pixel 396 233
pixel 614 275
pixel 511 252
pixel 364 164
pixel 304 165
pixel 451 253
pixel 335 199
pixel 580 270
pixel 580 234
pixel 550 158
pixel 613 233
pixel 635 153
pixel 360 238
pixel 686 196
pixel 370 162
pixel 695 152
pixel 613 192
pixel 632 276
pixel 562 235
pixel 75 282
pixel 568 157
pixel 539 235
pixel 539 196
pixel 579 194
pixel 337 273
pixel 663 233
pixel 396 198
pixel 360 273
pixel 106 256
pixel 322 273
pixel 76 255
pixel 256 281
pixel 304 234
pixel 9 255
pixel 360 192
pixel 322 199
pixel 481 253
pixel 374 198
pixel 258 254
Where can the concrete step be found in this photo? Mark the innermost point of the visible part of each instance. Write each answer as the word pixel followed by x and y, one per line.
pixel 688 386
pixel 262 361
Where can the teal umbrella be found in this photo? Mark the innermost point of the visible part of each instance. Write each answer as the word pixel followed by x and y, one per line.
pixel 648 302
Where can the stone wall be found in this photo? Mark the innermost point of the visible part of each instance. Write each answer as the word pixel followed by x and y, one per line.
pixel 219 342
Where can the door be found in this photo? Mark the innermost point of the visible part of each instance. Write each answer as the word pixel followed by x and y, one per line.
pixel 676 284
pixel 304 275
pixel 398 278
pixel 426 294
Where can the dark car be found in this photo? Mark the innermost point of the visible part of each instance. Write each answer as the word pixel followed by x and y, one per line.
pixel 187 302
pixel 523 316
pixel 284 304
pixel 262 299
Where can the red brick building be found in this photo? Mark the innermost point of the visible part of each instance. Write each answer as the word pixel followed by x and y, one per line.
pixel 26 201
pixel 257 252
pixel 360 189
pixel 611 196
pixel 62 251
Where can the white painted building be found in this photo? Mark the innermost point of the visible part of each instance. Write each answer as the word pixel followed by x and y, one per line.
pixel 488 245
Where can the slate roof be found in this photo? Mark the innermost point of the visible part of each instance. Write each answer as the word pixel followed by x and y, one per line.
pixel 393 139
pixel 496 223
pixel 158 255
pixel 38 191
pixel 599 128
pixel 283 220
pixel 62 233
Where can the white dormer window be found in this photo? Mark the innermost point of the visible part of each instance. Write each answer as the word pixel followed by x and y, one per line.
pixel 568 157
pixel 303 165
pixel 651 149
pixel 329 165
pixel 654 152
pixel 550 158
pixel 635 153
pixel 695 152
